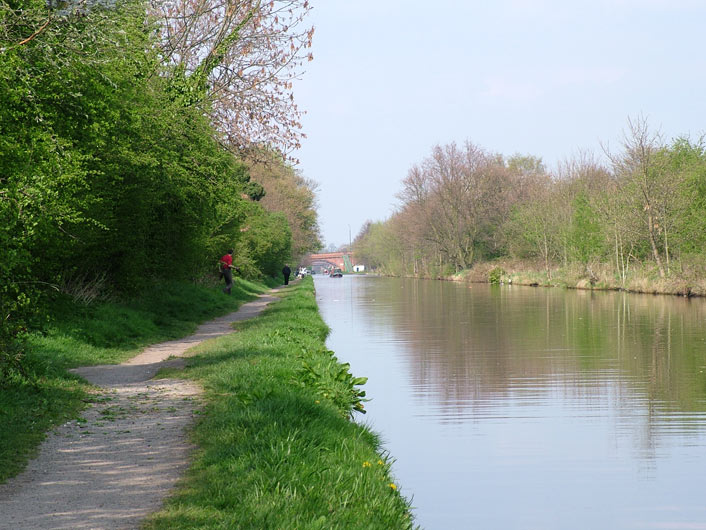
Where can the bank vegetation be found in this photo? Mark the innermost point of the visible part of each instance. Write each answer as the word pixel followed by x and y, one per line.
pixel 276 446
pixel 634 219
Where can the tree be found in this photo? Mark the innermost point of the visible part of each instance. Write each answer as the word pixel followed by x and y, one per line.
pixel 681 201
pixel 55 65
pixel 104 173
pixel 458 196
pixel 379 247
pixel 578 183
pixel 264 243
pixel 534 227
pixel 293 195
pixel 586 236
pixel 640 171
pixel 241 56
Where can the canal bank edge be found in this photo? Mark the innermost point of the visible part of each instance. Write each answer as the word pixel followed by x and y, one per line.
pixel 641 278
pixel 276 445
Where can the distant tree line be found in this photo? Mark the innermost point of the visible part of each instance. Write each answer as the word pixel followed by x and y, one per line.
pixel 462 205
pixel 128 134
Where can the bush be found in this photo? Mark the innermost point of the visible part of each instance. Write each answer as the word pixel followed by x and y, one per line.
pixel 496 275
pixel 332 380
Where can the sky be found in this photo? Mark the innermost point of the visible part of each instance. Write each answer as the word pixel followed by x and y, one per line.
pixel 391 79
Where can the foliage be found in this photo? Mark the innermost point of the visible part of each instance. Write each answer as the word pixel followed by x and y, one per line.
pixel 240 58
pixel 108 181
pixel 496 275
pixel 687 160
pixel 292 195
pixel 379 247
pixel 333 380
pixel 586 239
pixel 451 201
pixel 42 176
pixel 264 243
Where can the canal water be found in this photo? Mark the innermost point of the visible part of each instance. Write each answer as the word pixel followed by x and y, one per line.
pixel 510 407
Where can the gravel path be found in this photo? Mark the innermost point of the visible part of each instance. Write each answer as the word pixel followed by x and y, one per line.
pixel 113 469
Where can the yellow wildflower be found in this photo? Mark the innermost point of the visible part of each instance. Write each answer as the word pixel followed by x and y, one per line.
pixel 393 486
pixel 366 464
pixel 381 463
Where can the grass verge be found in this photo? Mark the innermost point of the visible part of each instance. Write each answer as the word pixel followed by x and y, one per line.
pixel 276 447
pixel 102 333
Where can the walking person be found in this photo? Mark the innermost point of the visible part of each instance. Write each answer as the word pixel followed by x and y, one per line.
pixel 286 271
pixel 226 268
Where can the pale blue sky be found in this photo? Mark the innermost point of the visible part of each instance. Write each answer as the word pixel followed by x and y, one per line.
pixel 393 78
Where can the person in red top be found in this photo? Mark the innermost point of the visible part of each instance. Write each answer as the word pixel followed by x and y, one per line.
pixel 226 266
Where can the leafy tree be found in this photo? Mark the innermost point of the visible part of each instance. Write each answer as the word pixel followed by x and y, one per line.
pixel 264 245
pixel 586 236
pixel 526 166
pixel 105 176
pixel 640 171
pixel 453 201
pixel 687 160
pixel 44 176
pixel 381 247
pixel 288 192
pixel 241 57
pixel 534 228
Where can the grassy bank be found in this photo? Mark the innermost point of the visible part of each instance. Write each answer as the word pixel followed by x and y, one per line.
pixel 276 448
pixel 685 279
pixel 78 335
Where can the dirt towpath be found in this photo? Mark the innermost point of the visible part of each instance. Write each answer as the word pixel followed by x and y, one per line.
pixel 116 465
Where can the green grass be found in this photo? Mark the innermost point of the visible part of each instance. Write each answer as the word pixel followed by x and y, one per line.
pixel 78 335
pixel 276 446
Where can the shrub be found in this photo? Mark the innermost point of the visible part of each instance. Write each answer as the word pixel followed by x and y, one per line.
pixel 496 275
pixel 333 380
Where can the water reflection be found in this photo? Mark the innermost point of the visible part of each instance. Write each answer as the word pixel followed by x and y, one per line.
pixel 576 409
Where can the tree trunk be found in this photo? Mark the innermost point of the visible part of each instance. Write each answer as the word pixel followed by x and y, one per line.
pixel 666 249
pixel 653 244
pixel 546 257
pixel 617 260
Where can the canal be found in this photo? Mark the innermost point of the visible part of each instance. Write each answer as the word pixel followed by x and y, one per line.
pixel 509 407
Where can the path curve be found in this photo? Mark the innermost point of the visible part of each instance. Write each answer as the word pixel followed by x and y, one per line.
pixel 116 467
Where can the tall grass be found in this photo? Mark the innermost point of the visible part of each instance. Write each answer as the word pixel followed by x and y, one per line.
pixel 276 447
pixel 77 335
